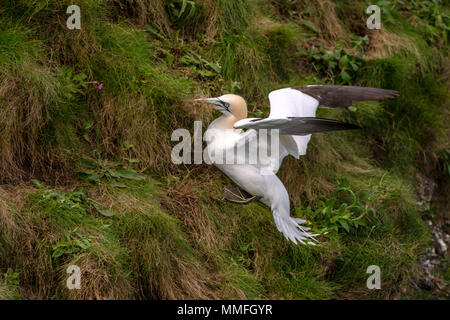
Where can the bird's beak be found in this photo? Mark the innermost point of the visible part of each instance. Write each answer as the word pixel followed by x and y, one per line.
pixel 214 101
pixel 218 103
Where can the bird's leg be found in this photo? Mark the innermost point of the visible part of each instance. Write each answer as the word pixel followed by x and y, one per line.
pixel 237 195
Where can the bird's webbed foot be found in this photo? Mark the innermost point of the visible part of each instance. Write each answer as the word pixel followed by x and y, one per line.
pixel 237 195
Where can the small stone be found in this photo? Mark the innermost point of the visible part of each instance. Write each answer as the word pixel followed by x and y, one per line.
pixel 441 247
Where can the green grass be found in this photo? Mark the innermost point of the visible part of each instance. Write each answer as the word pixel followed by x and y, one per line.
pixel 170 234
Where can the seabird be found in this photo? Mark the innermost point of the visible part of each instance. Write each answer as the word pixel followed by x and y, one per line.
pixel 293 115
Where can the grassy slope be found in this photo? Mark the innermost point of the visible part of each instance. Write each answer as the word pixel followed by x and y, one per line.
pixel 171 235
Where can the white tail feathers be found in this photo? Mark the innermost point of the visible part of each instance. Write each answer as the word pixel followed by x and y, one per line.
pixel 292 229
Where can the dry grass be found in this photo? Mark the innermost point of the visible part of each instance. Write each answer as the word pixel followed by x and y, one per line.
pixel 164 261
pixel 144 12
pixel 102 278
pixel 384 44
pixel 323 15
pixel 184 204
pixel 23 116
pixel 30 233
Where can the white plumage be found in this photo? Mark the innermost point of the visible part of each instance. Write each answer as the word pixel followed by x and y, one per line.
pixel 292 113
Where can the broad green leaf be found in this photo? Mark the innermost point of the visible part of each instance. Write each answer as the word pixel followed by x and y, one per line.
pixel 128 145
pixel 37 182
pixel 88 163
pixel 310 25
pixel 104 212
pixel 133 160
pixel 87 125
pixel 334 219
pixel 343 61
pixel 183 7
pixel 344 225
pixel 345 76
pixel 86 137
pixel 192 11
pixel 117 184
pixel 126 174
pixel 206 73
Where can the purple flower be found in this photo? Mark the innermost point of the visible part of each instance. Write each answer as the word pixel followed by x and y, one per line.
pixel 99 86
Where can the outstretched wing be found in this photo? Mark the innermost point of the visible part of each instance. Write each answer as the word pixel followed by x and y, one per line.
pixel 344 96
pixel 297 126
pixel 293 111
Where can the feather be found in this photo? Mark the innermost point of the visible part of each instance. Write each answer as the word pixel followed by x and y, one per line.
pixel 344 96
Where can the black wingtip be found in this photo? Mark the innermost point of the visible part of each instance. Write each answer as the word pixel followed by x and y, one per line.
pixel 344 96
pixel 308 125
pixel 338 125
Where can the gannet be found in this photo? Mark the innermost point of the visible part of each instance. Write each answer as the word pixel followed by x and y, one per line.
pixel 293 115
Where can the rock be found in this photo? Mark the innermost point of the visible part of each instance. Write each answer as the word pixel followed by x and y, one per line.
pixel 441 247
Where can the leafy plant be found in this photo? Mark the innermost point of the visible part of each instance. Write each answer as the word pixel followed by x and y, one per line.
pixel 360 43
pixel 75 202
pixel 201 66
pixel 431 15
pixel 233 86
pixel 181 11
pixel 11 278
pixel 257 113
pixel 85 129
pixel 340 64
pixel 94 170
pixel 333 215
pixel 11 284
pixel 128 148
pixel 432 12
pixel 74 84
pixel 388 8
pixel 311 26
pixel 72 243
pixel 177 51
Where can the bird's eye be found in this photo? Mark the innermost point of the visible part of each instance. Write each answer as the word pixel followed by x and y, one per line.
pixel 225 105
